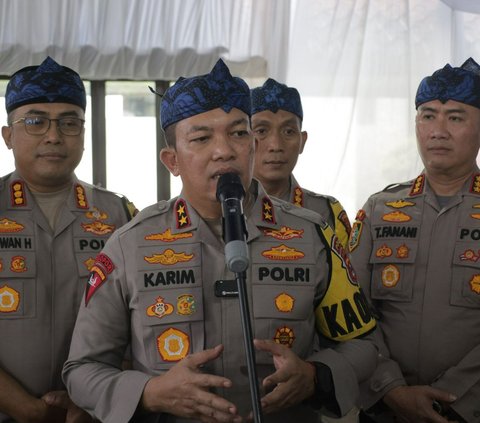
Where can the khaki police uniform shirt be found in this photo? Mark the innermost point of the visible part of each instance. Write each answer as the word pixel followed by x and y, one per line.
pixel 43 275
pixel 328 207
pixel 154 286
pixel 420 265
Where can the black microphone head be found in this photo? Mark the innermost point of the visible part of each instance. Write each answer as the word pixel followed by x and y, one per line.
pixel 229 186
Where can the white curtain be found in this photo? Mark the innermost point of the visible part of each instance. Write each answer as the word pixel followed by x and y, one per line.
pixel 356 63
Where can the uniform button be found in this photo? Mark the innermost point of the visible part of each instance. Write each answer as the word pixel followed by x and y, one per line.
pixel 287 206
pixel 162 206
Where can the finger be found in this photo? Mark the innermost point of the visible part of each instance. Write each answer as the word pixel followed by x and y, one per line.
pixel 57 399
pixel 442 396
pixel 208 414
pixel 270 346
pixel 198 359
pixel 205 380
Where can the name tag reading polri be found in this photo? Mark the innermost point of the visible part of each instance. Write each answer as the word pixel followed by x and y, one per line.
pixel 226 288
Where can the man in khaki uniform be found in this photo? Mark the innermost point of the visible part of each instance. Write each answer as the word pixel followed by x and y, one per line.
pixel 415 246
pixel 162 286
pixel 277 117
pixel 52 226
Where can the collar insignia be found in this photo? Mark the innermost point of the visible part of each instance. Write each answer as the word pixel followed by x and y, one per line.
pixel 298 197
pixel 17 193
pixel 181 214
pixel 80 197
pixel 418 185
pixel 475 187
pixel 268 214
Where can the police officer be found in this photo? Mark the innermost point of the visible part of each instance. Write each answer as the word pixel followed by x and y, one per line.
pixel 51 228
pixel 416 247
pixel 277 117
pixel 161 285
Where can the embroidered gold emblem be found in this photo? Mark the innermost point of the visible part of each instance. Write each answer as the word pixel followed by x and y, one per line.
pixel 282 252
pixel 98 228
pixel 9 299
pixel 173 345
pixel 475 184
pixel 88 263
pixel 160 308
pixel 475 215
pixel 186 305
pixel 396 216
pixel 417 187
pixel 390 275
pixel 80 197
pixel 18 194
pixel 399 204
pixel 284 336
pixel 403 251
pixel 18 265
pixel 96 214
pixel 1 264
pixel 298 197
pixel 360 215
pixel 7 225
pixel 469 255
pixel 168 257
pixel 284 302
pixel 167 236
pixel 284 233
pixel 476 206
pixel 475 284
pixel 383 251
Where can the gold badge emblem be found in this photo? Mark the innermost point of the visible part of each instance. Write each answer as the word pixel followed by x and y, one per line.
pixel 9 299
pixel 383 251
pixel 355 234
pixel 396 216
pixel 7 226
pixel 390 276
pixel 284 302
pixel 18 265
pixel 98 228
pixel 17 192
pixel 403 251
pixel 186 305
pixel 284 336
pixel 173 345
pixel 298 197
pixel 282 252
pixel 169 258
pixel 160 308
pixel 475 284
pixel 167 236
pixel 399 204
pixel 96 214
pixel 469 255
pixel 284 233
pixel 88 263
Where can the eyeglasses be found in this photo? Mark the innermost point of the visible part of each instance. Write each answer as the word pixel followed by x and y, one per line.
pixel 39 125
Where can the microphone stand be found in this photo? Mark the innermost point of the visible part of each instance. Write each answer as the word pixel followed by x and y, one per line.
pixel 241 278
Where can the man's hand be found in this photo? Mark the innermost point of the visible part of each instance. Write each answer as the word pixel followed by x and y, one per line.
pixel 184 391
pixel 292 382
pixel 62 401
pixel 414 404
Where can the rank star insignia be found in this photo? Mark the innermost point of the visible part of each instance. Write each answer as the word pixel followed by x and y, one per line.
pixel 399 204
pixel 7 226
pixel 284 233
pixel 418 184
pixel 168 257
pixel 284 302
pixel 186 305
pixel 160 308
pixel 167 236
pixel 181 214
pixel 390 276
pixel 475 187
pixel 81 197
pixel 282 252
pixel 475 284
pixel 383 251
pixel 284 336
pixel 268 213
pixel 396 216
pixel 298 197
pixel 9 299
pixel 173 345
pixel 17 192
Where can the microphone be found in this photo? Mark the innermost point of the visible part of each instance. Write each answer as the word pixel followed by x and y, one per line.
pixel 230 194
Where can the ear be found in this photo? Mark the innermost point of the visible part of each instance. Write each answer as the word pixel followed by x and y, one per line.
pixel 7 135
pixel 168 156
pixel 304 140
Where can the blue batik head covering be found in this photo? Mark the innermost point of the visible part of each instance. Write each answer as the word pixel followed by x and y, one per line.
pixel 273 96
pixel 45 83
pixel 460 84
pixel 198 94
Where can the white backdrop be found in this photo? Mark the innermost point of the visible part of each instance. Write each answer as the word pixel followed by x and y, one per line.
pixel 356 63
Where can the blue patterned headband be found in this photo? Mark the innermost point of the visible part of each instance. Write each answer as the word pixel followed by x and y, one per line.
pixel 46 83
pixel 273 96
pixel 192 96
pixel 460 84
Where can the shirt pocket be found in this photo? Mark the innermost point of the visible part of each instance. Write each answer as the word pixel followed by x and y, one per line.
pixel 285 314
pixel 465 287
pixel 393 269
pixel 18 287
pixel 172 324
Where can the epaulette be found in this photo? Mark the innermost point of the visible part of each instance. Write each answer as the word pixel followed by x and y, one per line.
pixel 329 198
pixel 400 185
pixel 302 212
pixel 128 206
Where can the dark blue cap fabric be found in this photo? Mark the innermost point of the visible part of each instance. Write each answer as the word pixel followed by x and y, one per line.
pixel 199 94
pixel 45 83
pixel 273 96
pixel 460 84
